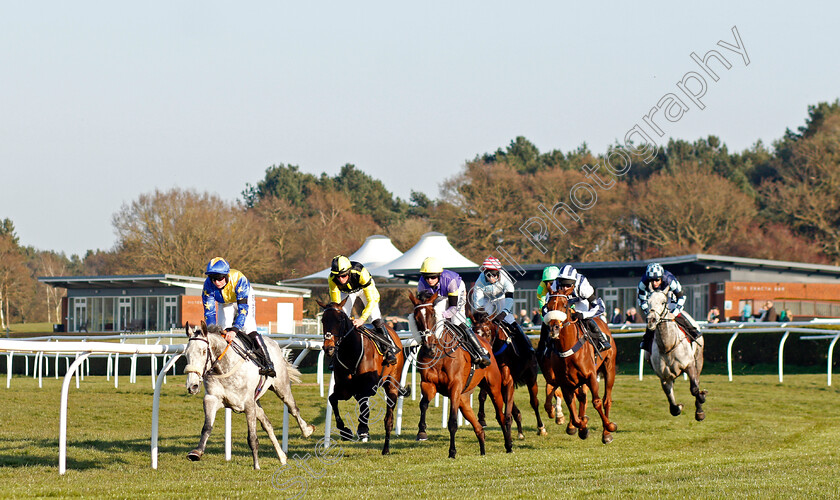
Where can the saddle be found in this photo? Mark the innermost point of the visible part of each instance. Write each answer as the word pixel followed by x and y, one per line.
pixel 252 350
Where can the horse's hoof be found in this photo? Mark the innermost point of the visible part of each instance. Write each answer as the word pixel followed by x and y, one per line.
pixel 194 455
pixel 421 436
pixel 386 452
pixel 676 410
pixel 363 437
pixel 583 433
pixel 700 416
pixel 451 454
pixel 482 422
pixel 570 429
pixel 607 438
pixel 346 434
pixel 560 419
pixel 521 436
pixel 541 431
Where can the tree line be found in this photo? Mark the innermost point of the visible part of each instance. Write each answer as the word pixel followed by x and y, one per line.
pixel 772 202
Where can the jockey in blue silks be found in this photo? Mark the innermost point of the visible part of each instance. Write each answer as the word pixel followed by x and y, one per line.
pixel 587 306
pixel 237 311
pixel 451 303
pixel 657 279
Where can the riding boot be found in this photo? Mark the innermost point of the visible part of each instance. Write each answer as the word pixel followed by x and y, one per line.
pixel 515 332
pixel 268 367
pixel 386 344
pixel 602 342
pixel 647 340
pixel 479 354
pixel 693 333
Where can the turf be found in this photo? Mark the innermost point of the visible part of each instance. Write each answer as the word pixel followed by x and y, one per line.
pixel 761 439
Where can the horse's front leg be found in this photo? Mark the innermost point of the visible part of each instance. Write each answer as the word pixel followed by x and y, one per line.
pixel 493 384
pixel 428 391
pixel 363 430
pixel 285 394
pixel 253 441
pixel 393 394
pixel 533 389
pixel 699 395
pixel 267 427
pixel 211 406
pixel 668 389
pixel 454 406
pixel 343 431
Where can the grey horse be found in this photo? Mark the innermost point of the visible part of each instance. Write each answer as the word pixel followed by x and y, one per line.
pixel 231 381
pixel 672 354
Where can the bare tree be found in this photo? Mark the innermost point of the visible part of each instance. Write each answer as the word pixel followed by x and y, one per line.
pixel 178 231
pixel 14 276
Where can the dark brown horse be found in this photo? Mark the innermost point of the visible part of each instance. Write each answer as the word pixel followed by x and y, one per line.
pixel 573 365
pixel 358 371
pixel 447 368
pixel 518 366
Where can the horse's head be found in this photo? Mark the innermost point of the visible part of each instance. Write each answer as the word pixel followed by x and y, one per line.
pixel 658 308
pixel 484 325
pixel 336 324
pixel 559 314
pixel 424 314
pixel 198 356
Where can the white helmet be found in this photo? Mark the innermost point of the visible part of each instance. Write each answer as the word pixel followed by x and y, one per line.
pixel 568 275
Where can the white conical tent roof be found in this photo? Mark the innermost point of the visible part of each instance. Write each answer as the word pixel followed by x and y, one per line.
pixel 430 245
pixel 374 252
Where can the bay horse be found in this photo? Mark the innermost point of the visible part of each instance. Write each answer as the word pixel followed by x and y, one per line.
pixel 671 354
pixel 447 368
pixel 573 365
pixel 233 381
pixel 358 371
pixel 518 366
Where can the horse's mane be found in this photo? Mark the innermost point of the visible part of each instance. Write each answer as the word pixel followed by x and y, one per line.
pixel 214 329
pixel 424 296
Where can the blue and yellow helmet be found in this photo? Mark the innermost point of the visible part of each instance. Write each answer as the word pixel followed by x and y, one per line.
pixel 217 265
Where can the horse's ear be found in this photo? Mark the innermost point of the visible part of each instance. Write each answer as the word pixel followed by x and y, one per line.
pixel 188 329
pixel 204 327
pixel 343 301
pixel 412 298
pixel 323 306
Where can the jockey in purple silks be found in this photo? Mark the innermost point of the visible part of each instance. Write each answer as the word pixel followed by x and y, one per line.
pixel 451 303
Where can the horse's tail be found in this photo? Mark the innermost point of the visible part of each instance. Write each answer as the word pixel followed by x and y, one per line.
pixel 291 370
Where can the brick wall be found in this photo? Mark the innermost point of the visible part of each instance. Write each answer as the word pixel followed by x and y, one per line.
pixel 192 309
pixel 737 291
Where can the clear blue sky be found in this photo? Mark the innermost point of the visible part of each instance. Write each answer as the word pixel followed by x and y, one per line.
pixel 102 101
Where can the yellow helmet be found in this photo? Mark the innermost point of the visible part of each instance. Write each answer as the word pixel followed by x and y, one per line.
pixel 431 266
pixel 340 264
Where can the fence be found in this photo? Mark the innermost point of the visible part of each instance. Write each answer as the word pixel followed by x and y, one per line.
pixel 82 349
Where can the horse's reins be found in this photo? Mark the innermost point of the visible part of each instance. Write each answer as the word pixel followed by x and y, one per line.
pixel 339 339
pixel 579 344
pixel 664 318
pixel 208 370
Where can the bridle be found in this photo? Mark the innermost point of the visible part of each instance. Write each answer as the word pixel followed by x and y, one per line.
pixel 339 338
pixel 207 361
pixel 210 363
pixel 662 317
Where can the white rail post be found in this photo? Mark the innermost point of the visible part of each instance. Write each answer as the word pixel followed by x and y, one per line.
pixel 156 411
pixel 782 356
pixel 729 354
pixel 400 399
pixel 62 425
pixel 320 376
pixel 641 363
pixel 831 356
pixel 9 357
pixel 228 413
pixel 445 412
pixel 328 420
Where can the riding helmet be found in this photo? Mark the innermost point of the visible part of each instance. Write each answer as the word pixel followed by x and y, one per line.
pixel 217 265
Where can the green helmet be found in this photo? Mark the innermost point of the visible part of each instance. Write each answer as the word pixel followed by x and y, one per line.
pixel 550 273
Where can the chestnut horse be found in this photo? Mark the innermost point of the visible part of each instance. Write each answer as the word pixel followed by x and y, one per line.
pixel 518 366
pixel 573 364
pixel 358 371
pixel 447 368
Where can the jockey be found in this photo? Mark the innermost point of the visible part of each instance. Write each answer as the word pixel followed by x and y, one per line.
pixel 349 280
pixel 237 311
pixel 587 306
pixel 493 293
pixel 452 299
pixel 545 287
pixel 657 279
